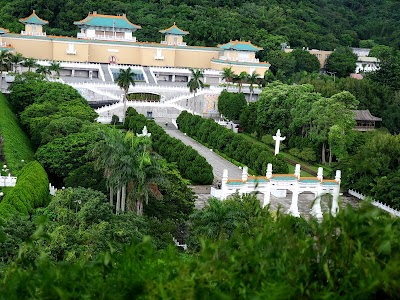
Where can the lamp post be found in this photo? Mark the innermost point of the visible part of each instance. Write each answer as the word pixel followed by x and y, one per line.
pixel 1 195
pixel 332 73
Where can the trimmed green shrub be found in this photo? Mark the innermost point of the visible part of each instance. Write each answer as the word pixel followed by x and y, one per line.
pixel 17 147
pixel 231 144
pixel 190 164
pixel 30 192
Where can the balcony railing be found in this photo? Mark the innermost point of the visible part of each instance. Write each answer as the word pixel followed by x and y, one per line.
pixel 173 44
pixel 250 60
pixel 159 57
pixel 70 52
pixel 33 33
pixel 106 37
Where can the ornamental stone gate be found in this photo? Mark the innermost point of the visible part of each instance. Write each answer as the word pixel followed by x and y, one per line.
pixel 278 185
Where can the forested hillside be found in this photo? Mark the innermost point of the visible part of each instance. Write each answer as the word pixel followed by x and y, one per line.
pixel 322 24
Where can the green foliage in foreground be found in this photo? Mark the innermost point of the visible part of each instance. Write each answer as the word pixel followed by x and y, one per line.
pixel 233 145
pixel 30 192
pixel 16 144
pixel 190 164
pixel 244 252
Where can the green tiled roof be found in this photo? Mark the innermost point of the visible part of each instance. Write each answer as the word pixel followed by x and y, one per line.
pixel 33 19
pixel 174 30
pixel 309 180
pixel 283 177
pixel 256 180
pixel 329 183
pixel 99 20
pixel 240 46
pixel 234 182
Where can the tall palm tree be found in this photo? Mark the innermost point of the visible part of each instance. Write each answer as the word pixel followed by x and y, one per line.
pixel 195 82
pixel 125 79
pixel 240 78
pixel 29 63
pixel 4 57
pixel 130 168
pixel 15 60
pixel 228 75
pixel 43 70
pixel 252 79
pixel 55 69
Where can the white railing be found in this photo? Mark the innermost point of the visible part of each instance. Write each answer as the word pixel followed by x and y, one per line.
pixel 33 33
pixel 251 60
pixel 8 181
pixel 159 57
pixel 173 44
pixel 70 52
pixel 378 204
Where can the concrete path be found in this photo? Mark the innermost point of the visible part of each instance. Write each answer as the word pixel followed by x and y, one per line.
pixel 217 162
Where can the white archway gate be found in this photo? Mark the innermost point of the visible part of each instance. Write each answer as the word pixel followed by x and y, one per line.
pixel 279 184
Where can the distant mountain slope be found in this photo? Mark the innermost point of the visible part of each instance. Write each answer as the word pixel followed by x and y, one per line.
pixel 322 24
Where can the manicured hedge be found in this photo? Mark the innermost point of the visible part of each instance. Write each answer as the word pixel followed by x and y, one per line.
pixel 232 145
pixel 190 164
pixel 16 144
pixel 30 192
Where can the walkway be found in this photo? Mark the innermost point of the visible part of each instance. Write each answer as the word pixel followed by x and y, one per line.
pixel 217 162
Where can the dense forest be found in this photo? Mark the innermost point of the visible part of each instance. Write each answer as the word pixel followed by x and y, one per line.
pixel 323 24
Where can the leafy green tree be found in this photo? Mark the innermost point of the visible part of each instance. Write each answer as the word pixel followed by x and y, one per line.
pixel 341 62
pixel 305 61
pixel 43 70
pixel 125 79
pixel 231 105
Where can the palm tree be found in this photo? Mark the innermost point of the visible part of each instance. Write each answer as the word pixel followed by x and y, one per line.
pixel 125 79
pixel 130 168
pixel 15 60
pixel 43 70
pixel 195 82
pixel 252 79
pixel 240 78
pixel 55 69
pixel 29 63
pixel 228 75
pixel 4 57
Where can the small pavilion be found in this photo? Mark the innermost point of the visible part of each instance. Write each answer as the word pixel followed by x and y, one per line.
pixel 174 36
pixel 239 51
pixel 106 27
pixel 33 25
pixel 365 120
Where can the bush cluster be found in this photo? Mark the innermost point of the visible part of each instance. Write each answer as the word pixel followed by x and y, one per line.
pixel 16 146
pixel 30 192
pixel 233 145
pixel 189 163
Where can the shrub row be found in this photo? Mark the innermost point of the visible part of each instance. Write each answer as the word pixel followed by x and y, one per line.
pixel 16 144
pixel 30 192
pixel 232 145
pixel 190 164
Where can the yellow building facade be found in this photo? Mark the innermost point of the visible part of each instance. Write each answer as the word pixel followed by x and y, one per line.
pixel 110 39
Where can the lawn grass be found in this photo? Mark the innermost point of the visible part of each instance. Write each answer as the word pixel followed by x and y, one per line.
pixel 314 167
pixel 17 147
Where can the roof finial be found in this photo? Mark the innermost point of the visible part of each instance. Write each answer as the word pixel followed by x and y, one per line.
pixel 33 12
pixel 174 23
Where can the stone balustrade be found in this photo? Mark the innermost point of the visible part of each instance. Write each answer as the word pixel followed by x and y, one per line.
pixel 378 204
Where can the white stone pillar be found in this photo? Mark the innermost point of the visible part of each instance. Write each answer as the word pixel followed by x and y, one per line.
pixel 267 197
pixel 338 176
pixel 173 77
pixel 269 171
pixel 335 201
pixel 316 209
pixel 294 209
pixel 224 181
pixel 245 174
pixel 320 174
pixel 297 171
